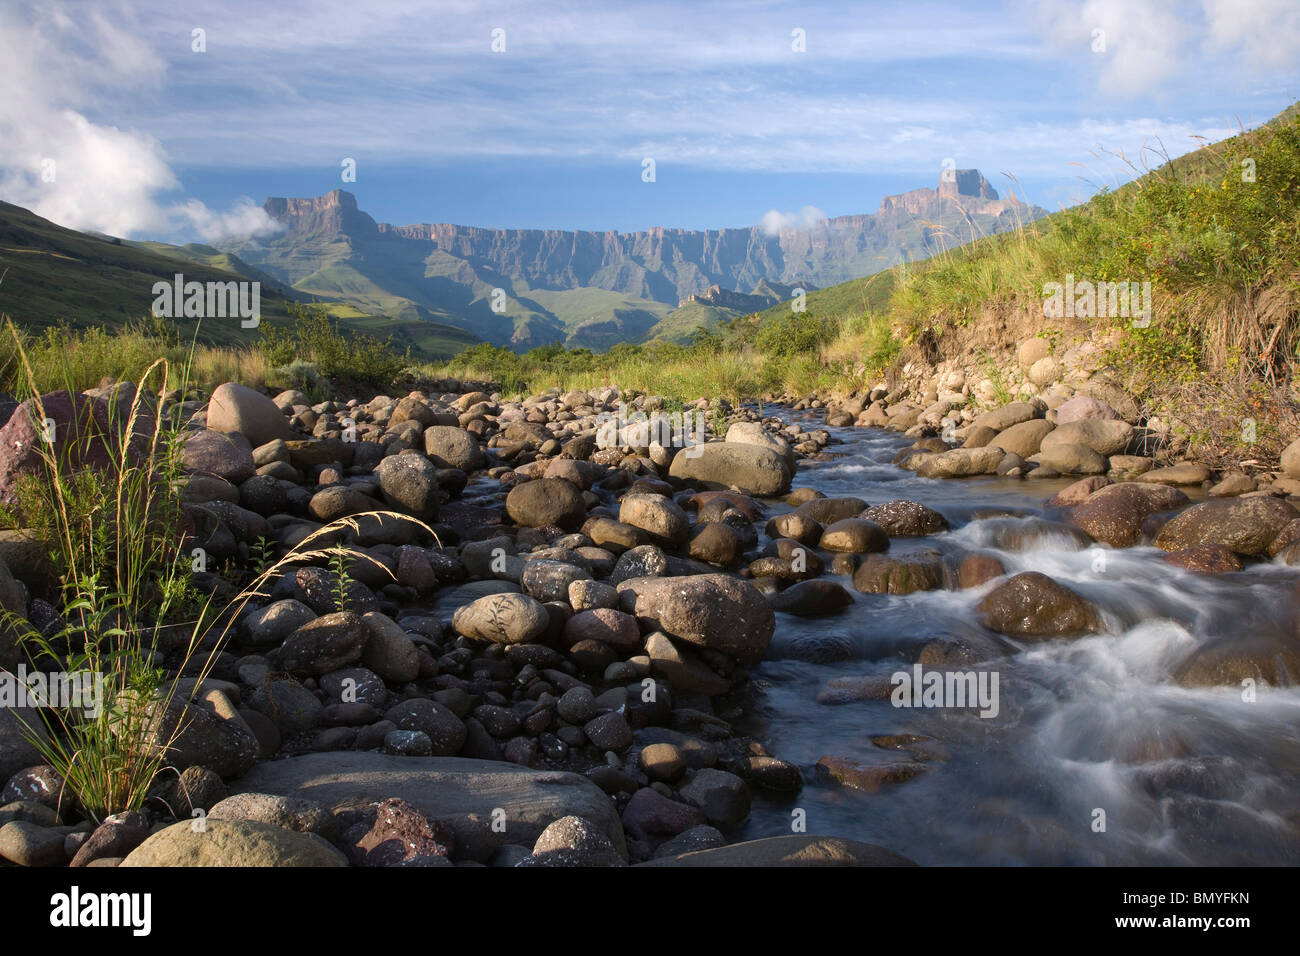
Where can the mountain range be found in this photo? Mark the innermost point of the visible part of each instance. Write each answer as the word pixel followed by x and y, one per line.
pixel 437 288
pixel 530 287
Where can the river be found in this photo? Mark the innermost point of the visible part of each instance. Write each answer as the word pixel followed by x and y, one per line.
pixel 1096 755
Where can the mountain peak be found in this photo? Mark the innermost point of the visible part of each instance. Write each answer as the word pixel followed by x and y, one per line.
pixel 334 212
pixel 965 182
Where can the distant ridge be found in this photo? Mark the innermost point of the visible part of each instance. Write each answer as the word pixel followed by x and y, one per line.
pixel 593 288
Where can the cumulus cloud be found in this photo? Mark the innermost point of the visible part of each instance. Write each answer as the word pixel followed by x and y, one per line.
pixel 774 221
pixel 60 63
pixel 1138 46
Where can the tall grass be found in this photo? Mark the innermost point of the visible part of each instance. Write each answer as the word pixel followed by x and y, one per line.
pixel 123 580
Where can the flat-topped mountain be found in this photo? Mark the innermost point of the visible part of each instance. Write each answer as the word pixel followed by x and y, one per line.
pixel 593 288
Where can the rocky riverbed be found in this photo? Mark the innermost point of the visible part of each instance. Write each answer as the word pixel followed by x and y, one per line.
pixel 586 658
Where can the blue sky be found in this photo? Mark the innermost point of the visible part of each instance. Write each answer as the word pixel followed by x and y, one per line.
pixel 151 139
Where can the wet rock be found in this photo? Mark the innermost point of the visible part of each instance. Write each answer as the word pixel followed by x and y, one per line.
pixel 855 535
pixel 880 575
pixel 710 610
pixel 977 569
pixel 870 778
pixel 1244 525
pixel 1031 606
pixel 830 510
pixel 1205 558
pixel 1078 492
pixel 1271 658
pixel 795 526
pixel 811 598
pixel 1114 514
pixel 769 773
pixel 904 519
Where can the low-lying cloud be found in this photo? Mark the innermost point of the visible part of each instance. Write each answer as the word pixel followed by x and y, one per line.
pixel 774 221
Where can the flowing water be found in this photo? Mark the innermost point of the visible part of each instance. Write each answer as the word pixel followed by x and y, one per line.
pixel 1096 755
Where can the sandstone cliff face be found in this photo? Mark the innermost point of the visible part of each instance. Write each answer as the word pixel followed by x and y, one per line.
pixel 447 270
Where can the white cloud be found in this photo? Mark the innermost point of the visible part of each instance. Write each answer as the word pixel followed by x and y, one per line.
pixel 243 219
pixel 1137 47
pixel 58 63
pixel 774 221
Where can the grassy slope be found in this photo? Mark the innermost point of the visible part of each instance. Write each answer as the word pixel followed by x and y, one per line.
pixel 56 276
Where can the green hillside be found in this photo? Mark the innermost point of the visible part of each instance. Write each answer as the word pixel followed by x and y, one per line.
pixel 60 277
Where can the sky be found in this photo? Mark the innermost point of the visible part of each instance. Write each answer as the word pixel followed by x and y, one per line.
pixel 173 120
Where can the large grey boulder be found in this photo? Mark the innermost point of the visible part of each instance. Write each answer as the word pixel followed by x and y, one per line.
pixel 710 610
pixel 465 794
pixel 752 469
pixel 238 408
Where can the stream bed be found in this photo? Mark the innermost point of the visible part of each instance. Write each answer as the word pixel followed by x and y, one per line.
pixel 1096 755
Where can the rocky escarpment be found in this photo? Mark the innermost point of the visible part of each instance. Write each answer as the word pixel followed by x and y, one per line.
pixel 448 271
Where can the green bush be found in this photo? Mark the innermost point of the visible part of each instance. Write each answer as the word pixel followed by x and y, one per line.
pixel 340 357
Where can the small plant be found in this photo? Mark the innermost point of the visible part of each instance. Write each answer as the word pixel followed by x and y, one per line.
pixel 341 579
pixel 719 424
